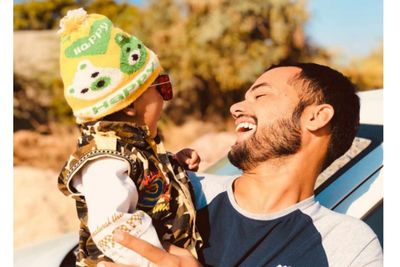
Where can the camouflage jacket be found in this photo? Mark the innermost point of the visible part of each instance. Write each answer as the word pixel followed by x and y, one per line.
pixel 165 192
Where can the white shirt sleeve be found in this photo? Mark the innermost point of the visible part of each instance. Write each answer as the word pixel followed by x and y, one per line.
pixel 107 188
pixel 111 197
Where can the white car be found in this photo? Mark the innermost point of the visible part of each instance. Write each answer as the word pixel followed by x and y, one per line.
pixel 353 185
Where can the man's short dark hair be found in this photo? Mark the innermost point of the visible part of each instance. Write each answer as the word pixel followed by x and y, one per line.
pixel 321 84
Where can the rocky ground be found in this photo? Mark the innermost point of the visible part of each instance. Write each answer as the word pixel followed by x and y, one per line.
pixel 40 211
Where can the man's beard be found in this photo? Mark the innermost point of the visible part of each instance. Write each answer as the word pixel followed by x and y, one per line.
pixel 282 138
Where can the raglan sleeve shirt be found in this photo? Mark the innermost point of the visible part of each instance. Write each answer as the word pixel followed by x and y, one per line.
pixel 111 198
pixel 305 234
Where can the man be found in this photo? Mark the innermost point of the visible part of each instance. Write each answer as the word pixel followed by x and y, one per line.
pixel 293 122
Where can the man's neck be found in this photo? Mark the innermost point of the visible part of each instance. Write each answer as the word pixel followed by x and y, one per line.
pixel 275 185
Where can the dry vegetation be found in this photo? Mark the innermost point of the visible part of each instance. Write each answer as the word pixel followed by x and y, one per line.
pixel 35 52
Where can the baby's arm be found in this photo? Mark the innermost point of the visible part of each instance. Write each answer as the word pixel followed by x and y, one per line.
pixel 111 197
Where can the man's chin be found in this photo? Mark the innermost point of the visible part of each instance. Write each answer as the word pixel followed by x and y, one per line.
pixel 233 160
pixel 238 155
pixel 244 137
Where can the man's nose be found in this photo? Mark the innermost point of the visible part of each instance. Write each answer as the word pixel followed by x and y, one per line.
pixel 237 109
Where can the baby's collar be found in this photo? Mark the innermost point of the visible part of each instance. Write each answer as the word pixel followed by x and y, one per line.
pixel 122 129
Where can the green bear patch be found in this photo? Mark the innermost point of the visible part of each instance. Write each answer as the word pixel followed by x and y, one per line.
pixel 133 53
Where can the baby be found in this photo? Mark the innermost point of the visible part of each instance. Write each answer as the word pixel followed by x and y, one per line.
pixel 120 175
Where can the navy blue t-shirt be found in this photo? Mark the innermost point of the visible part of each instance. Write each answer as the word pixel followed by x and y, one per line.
pixel 236 240
pixel 305 234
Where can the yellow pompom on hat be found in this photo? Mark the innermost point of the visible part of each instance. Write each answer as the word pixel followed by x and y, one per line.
pixel 103 68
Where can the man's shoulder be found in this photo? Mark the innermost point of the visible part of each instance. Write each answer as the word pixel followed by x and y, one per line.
pixel 207 186
pixel 346 239
pixel 338 222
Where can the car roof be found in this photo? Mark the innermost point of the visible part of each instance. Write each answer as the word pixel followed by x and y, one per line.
pixel 371 109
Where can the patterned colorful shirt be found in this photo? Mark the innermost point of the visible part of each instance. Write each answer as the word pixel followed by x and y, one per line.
pixel 165 192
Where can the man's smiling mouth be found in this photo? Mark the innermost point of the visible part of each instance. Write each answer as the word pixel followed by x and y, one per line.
pixel 245 127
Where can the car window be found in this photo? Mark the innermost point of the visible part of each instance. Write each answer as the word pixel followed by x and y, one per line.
pixel 223 167
pixel 375 220
pixel 359 145
pixel 368 138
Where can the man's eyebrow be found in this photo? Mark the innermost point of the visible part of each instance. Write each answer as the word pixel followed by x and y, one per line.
pixel 259 85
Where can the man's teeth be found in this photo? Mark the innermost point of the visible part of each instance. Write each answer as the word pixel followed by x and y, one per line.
pixel 245 126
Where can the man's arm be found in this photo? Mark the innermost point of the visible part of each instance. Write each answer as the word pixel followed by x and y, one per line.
pixel 370 256
pixel 172 256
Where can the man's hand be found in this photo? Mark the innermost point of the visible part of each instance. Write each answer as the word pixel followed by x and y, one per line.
pixel 189 158
pixel 172 257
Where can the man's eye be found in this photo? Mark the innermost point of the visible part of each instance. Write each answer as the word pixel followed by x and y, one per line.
pixel 258 96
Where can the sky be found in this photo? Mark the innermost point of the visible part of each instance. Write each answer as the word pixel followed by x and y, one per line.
pixel 354 27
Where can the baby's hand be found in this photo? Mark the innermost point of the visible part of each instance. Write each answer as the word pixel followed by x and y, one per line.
pixel 188 158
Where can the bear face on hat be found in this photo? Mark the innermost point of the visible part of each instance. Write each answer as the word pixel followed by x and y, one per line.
pixel 92 82
pixel 133 53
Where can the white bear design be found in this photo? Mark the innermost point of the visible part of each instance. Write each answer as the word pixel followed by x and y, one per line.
pixel 91 82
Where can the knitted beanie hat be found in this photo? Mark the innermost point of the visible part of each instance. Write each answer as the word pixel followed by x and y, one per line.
pixel 103 68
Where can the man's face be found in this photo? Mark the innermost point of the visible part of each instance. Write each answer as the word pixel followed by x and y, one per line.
pixel 266 127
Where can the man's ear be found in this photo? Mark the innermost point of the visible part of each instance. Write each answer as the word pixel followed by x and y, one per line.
pixel 130 110
pixel 318 116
